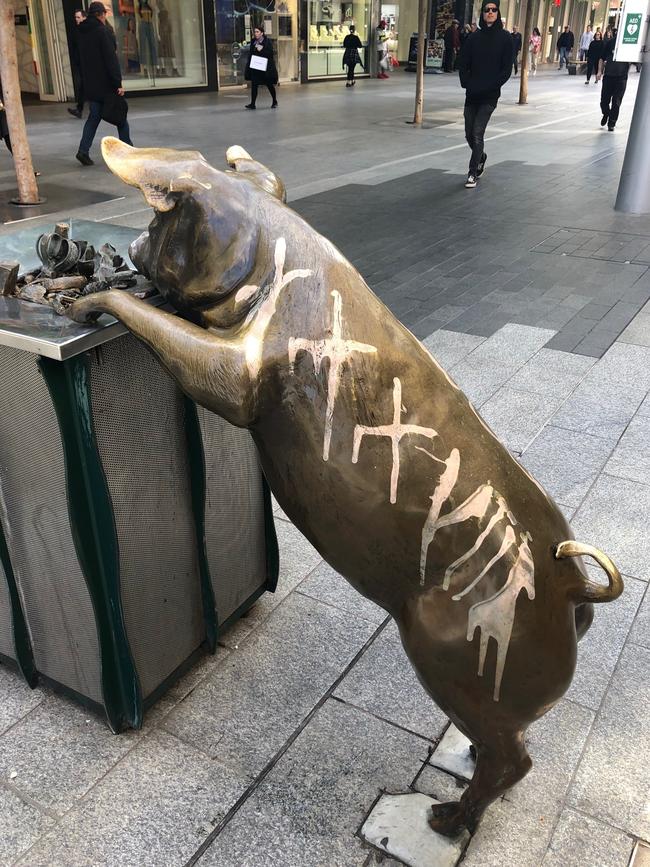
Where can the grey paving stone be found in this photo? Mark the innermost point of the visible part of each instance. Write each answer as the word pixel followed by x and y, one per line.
pixel 613 778
pixel 480 378
pixel 640 632
pixel 245 710
pixel 580 840
pixel 154 808
pixel 384 683
pixel 644 409
pixel 399 825
pixel 513 344
pixel 518 416
pixel 439 784
pixel 21 825
pixel 631 457
pixel 17 698
pixel 566 462
pixel 555 743
pixel 297 559
pixel 326 585
pixel 613 517
pixel 551 372
pixel 453 754
pixel 450 347
pixel 597 409
pixel 509 835
pixel 310 806
pixel 624 364
pixel 58 752
pixel 599 650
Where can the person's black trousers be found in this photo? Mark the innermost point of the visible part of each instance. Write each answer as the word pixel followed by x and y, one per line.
pixel 590 68
pixel 78 88
pixel 515 62
pixel 255 86
pixel 611 97
pixel 477 115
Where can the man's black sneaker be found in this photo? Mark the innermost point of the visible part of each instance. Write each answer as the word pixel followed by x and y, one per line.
pixel 251 106
pixel 603 120
pixel 481 166
pixel 471 180
pixel 75 112
pixel 84 159
pixel 610 128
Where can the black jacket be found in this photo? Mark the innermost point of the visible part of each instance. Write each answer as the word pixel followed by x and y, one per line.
pixel 485 63
pixel 566 40
pixel 100 68
pixel 613 68
pixel 595 50
pixel 271 74
pixel 516 42
pixel 352 45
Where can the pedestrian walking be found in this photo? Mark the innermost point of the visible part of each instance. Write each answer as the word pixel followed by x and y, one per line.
pixel 534 49
pixel 351 56
pixel 484 66
pixel 565 46
pixel 382 50
pixel 75 66
pixel 516 48
pixel 614 84
pixel 4 127
pixel 585 41
pixel 260 67
pixel 594 57
pixel 101 76
pixel 452 45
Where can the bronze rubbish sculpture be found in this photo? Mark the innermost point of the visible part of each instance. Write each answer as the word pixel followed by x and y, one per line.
pixel 369 447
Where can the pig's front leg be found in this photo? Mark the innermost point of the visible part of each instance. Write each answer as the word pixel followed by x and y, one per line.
pixel 210 369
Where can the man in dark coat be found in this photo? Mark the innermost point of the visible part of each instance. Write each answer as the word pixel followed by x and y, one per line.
pixel 484 66
pixel 613 86
pixel 101 75
pixel 452 45
pixel 565 46
pixel 75 64
pixel 516 48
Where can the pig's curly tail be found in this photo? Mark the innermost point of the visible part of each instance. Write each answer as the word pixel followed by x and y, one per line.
pixel 590 591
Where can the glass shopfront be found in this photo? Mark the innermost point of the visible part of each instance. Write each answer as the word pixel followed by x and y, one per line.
pixel 235 22
pixel 328 24
pixel 160 43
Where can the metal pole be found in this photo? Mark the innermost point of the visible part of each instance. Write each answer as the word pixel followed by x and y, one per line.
pixel 634 186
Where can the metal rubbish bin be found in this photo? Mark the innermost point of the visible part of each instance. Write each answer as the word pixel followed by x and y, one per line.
pixel 133 524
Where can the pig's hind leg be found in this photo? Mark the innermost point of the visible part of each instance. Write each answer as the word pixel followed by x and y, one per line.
pixel 499 765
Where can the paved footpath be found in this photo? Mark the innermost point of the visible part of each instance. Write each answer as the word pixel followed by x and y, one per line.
pixel 533 293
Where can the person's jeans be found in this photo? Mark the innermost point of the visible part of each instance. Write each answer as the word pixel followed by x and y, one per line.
pixel 611 97
pixel 515 62
pixel 477 115
pixel 564 56
pixel 93 121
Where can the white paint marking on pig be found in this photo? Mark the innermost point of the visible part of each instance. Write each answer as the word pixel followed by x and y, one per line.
pixel 509 539
pixel 254 340
pixel 446 483
pixel 394 432
pixel 495 616
pixel 339 352
pixel 501 512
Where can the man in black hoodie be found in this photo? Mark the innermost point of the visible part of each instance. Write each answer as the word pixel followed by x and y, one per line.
pixel 484 66
pixel 614 84
pixel 100 70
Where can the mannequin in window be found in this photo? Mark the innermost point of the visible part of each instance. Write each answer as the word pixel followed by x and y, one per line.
pixel 131 53
pixel 166 50
pixel 147 38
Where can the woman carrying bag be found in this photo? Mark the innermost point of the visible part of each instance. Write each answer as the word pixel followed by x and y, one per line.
pixel 260 68
pixel 351 56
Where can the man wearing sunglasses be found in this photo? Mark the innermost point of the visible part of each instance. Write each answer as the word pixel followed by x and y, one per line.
pixel 485 64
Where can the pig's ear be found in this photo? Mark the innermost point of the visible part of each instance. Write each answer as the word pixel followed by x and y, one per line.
pixel 158 173
pixel 241 161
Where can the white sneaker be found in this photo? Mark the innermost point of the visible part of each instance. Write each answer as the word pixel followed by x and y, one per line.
pixel 471 181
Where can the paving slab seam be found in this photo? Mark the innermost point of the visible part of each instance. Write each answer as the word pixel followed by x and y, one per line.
pixel 431 742
pixel 325 602
pixel 35 805
pixel 283 749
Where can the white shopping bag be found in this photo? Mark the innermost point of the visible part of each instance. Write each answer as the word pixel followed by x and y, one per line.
pixel 259 63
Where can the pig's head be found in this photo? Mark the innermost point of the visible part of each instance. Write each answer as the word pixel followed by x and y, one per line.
pixel 205 238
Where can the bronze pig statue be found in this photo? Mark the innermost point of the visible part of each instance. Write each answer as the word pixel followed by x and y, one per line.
pixel 369 447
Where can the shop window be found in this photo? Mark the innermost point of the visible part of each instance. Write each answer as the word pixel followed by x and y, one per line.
pixel 160 43
pixel 328 25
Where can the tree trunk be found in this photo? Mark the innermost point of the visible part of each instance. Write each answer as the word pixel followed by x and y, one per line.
pixel 419 73
pixel 27 187
pixel 525 48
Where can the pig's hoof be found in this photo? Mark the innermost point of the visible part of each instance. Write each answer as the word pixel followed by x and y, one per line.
pixel 448 819
pixel 82 311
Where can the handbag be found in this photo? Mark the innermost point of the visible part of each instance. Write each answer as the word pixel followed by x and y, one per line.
pixel 115 109
pixel 259 63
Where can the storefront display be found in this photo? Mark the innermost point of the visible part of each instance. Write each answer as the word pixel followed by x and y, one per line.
pixel 235 22
pixel 160 43
pixel 327 26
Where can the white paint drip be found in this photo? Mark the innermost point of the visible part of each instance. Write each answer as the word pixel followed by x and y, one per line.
pixel 394 432
pixel 501 512
pixel 445 485
pixel 339 352
pixel 495 616
pixel 507 542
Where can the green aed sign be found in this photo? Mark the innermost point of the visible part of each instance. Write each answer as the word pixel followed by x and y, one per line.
pixel 632 29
